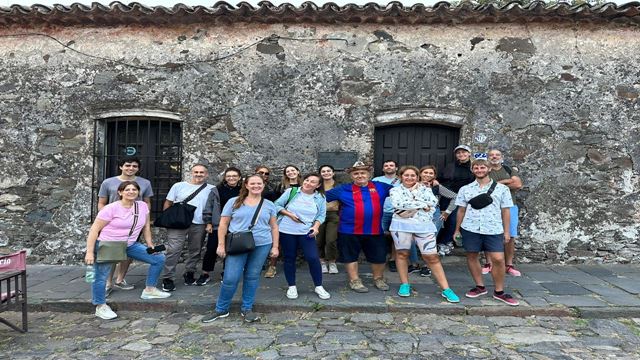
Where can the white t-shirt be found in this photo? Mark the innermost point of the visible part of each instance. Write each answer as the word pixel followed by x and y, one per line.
pixel 304 206
pixel 182 190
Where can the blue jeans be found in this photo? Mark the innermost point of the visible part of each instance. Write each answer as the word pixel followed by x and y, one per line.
pixel 289 244
pixel 248 267
pixel 414 256
pixel 137 251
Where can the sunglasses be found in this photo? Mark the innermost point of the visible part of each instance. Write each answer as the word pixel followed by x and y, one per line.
pixel 263 173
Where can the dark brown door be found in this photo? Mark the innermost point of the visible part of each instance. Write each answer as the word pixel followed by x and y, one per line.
pixel 417 145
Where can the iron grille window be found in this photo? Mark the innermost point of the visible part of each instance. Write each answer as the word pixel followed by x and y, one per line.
pixel 156 142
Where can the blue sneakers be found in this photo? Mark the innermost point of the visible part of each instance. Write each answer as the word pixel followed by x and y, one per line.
pixel 405 290
pixel 450 296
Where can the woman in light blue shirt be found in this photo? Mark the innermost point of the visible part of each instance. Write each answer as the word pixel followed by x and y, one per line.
pixel 236 216
pixel 301 213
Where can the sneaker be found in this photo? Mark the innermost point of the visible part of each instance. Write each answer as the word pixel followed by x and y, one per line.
pixel 123 285
pixel 215 316
pixel 513 271
pixel 425 271
pixel 405 290
pixel 203 279
pixel 324 267
pixel 322 293
pixel 357 286
pixel 249 316
pixel 104 312
pixel 486 268
pixel 107 291
pixel 333 268
pixel 189 279
pixel 271 272
pixel 475 292
pixel 292 292
pixel 413 269
pixel 450 296
pixel 392 266
pixel 380 284
pixel 507 299
pixel 168 285
pixel 442 249
pixel 154 294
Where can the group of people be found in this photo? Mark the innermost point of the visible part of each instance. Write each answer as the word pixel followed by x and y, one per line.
pixel 329 222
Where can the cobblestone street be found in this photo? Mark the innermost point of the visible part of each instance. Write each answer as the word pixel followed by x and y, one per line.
pixel 315 335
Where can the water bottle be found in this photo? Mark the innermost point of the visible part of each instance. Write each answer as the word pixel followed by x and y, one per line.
pixel 458 240
pixel 89 275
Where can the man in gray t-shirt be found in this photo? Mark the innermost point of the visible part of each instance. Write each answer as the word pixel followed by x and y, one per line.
pixel 108 193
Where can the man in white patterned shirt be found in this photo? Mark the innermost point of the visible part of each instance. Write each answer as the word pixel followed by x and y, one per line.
pixel 485 227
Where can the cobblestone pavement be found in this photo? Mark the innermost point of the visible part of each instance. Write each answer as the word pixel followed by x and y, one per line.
pixel 315 335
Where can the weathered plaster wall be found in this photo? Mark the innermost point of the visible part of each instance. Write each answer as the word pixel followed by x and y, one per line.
pixel 561 100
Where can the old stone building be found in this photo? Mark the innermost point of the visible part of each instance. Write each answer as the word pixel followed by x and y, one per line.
pixel 557 88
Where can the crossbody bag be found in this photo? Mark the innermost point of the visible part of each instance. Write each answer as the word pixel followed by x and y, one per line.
pixel 180 214
pixel 115 251
pixel 242 241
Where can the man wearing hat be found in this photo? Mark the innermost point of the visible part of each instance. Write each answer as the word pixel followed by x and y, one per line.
pixel 360 227
pixel 454 176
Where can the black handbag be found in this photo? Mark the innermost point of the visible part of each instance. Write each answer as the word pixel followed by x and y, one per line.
pixel 180 214
pixel 242 241
pixel 481 201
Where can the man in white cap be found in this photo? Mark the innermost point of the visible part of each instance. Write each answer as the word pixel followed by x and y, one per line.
pixel 360 227
pixel 454 176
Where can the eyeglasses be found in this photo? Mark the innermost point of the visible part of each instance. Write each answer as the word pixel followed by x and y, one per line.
pixel 263 173
pixel 232 176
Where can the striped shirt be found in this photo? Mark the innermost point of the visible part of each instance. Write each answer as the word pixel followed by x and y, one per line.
pixel 360 207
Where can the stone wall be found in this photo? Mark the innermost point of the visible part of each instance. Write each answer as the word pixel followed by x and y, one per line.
pixel 561 100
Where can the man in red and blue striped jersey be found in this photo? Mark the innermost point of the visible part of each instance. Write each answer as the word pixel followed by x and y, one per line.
pixel 360 227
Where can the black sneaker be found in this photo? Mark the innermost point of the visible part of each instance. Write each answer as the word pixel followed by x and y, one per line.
pixel 425 272
pixel 168 285
pixel 413 269
pixel 392 266
pixel 189 279
pixel 215 316
pixel 203 279
pixel 250 316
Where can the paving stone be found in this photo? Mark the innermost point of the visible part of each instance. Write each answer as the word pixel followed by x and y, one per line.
pixel 370 318
pixel 574 300
pixel 292 335
pixel 296 350
pixel 161 340
pixel 507 321
pixel 138 346
pixel 268 355
pixel 529 335
pixel 630 285
pixel 167 329
pixel 565 288
pixel 114 324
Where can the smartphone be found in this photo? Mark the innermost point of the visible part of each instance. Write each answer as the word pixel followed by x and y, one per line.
pixel 156 249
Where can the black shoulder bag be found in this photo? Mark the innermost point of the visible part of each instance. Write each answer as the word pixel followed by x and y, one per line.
pixel 180 214
pixel 242 241
pixel 481 201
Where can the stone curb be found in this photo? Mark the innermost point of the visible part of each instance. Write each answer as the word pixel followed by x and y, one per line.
pixel 451 309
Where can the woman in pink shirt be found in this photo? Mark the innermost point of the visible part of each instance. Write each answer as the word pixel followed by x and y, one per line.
pixel 123 220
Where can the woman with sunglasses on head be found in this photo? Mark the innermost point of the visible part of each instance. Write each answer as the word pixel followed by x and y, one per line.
pixel 328 232
pixel 228 188
pixel 237 216
pixel 121 221
pixel 428 177
pixel 290 180
pixel 412 222
pixel 300 217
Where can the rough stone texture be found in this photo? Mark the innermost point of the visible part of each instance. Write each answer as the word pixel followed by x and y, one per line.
pixel 560 99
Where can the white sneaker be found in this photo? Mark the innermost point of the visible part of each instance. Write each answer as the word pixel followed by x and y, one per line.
pixel 333 268
pixel 324 268
pixel 322 293
pixel 292 293
pixel 154 294
pixel 105 312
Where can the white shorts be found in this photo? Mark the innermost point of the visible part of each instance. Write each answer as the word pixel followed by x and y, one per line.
pixel 426 242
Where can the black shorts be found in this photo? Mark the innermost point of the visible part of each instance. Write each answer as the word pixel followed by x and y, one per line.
pixel 373 246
